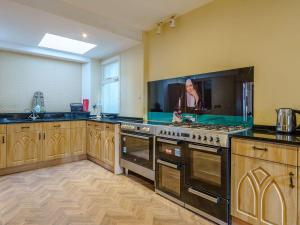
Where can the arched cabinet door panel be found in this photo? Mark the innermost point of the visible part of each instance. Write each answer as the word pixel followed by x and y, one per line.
pixel 56 143
pixel 247 206
pixel 23 148
pixel 263 192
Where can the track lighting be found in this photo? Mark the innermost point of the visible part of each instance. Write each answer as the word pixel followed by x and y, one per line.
pixel 172 22
pixel 159 27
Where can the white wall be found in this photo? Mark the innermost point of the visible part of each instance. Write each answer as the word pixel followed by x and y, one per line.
pixel 91 74
pixel 21 75
pixel 132 82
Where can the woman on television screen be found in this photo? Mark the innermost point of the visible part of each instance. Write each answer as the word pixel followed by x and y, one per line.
pixel 189 102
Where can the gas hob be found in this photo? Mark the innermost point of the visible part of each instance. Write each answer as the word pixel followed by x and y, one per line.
pixel 208 134
pixel 216 135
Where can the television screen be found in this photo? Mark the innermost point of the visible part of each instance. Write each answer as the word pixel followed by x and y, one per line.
pixel 220 93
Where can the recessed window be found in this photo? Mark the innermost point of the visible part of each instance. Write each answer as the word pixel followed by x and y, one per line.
pixel 110 85
pixel 65 44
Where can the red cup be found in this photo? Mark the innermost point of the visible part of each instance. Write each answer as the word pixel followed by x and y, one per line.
pixel 85 104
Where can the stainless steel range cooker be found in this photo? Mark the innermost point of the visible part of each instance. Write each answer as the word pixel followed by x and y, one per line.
pixel 191 163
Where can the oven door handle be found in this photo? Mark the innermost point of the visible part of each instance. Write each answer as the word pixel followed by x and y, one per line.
pixel 159 161
pixel 167 141
pixel 204 148
pixel 203 195
pixel 136 136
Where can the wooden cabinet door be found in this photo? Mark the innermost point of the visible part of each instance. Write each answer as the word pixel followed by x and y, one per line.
pixel 23 148
pixel 56 143
pixel 78 141
pixel 2 151
pixel 108 146
pixel 93 142
pixel 263 192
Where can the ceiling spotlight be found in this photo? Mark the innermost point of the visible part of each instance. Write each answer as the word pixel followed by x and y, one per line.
pixel 172 22
pixel 159 27
pixel 84 35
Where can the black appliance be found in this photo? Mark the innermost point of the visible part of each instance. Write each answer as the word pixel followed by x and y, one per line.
pixel 76 107
pixel 227 92
pixel 169 174
pixel 200 156
pixel 137 149
pixel 207 181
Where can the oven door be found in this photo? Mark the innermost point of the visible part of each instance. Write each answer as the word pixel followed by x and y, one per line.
pixel 169 179
pixel 169 168
pixel 208 169
pixel 137 148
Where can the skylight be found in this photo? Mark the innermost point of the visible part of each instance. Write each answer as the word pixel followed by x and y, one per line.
pixel 65 44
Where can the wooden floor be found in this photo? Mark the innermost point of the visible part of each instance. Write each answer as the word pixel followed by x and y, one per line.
pixel 82 193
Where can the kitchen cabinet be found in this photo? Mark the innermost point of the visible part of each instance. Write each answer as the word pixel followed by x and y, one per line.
pixel 2 146
pixel 94 140
pixel 108 145
pixel 101 143
pixel 56 140
pixel 78 138
pixel 24 144
pixel 263 187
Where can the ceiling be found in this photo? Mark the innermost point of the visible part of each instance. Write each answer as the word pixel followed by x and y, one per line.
pixel 113 25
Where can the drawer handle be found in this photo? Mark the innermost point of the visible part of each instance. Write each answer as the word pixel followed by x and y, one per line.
pixel 56 126
pixel 291 174
pixel 203 195
pixel 25 127
pixel 260 149
pixel 162 162
pixel 3 140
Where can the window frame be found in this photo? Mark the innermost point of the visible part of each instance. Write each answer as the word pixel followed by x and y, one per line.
pixel 104 81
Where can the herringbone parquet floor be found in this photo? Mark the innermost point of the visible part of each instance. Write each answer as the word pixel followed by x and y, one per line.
pixel 83 193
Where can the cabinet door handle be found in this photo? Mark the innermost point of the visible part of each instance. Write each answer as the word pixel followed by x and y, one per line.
pixel 44 136
pixel 40 136
pixel 291 174
pixel 260 149
pixel 3 140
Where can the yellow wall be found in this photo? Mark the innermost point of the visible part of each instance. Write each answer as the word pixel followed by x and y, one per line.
pixel 229 34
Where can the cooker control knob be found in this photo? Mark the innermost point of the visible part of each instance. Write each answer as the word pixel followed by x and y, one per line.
pixel 204 138
pixel 178 134
pixel 169 132
pixel 194 136
pixel 173 133
pixel 165 132
pixel 211 139
pixel 217 139
pixel 161 131
pixel 199 137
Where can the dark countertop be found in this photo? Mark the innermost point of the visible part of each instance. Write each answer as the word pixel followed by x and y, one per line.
pixel 60 117
pixel 269 134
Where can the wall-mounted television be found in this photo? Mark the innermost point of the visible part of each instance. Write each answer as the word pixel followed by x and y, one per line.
pixel 227 92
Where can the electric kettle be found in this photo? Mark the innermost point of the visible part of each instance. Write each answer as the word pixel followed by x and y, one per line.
pixel 286 120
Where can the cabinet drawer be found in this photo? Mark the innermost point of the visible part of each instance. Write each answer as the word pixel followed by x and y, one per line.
pixel 279 153
pixel 98 126
pixel 109 126
pixel 78 124
pixel 2 129
pixel 56 125
pixel 23 127
pixel 90 124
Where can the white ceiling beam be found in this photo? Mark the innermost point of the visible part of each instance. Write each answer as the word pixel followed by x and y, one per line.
pixel 6 46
